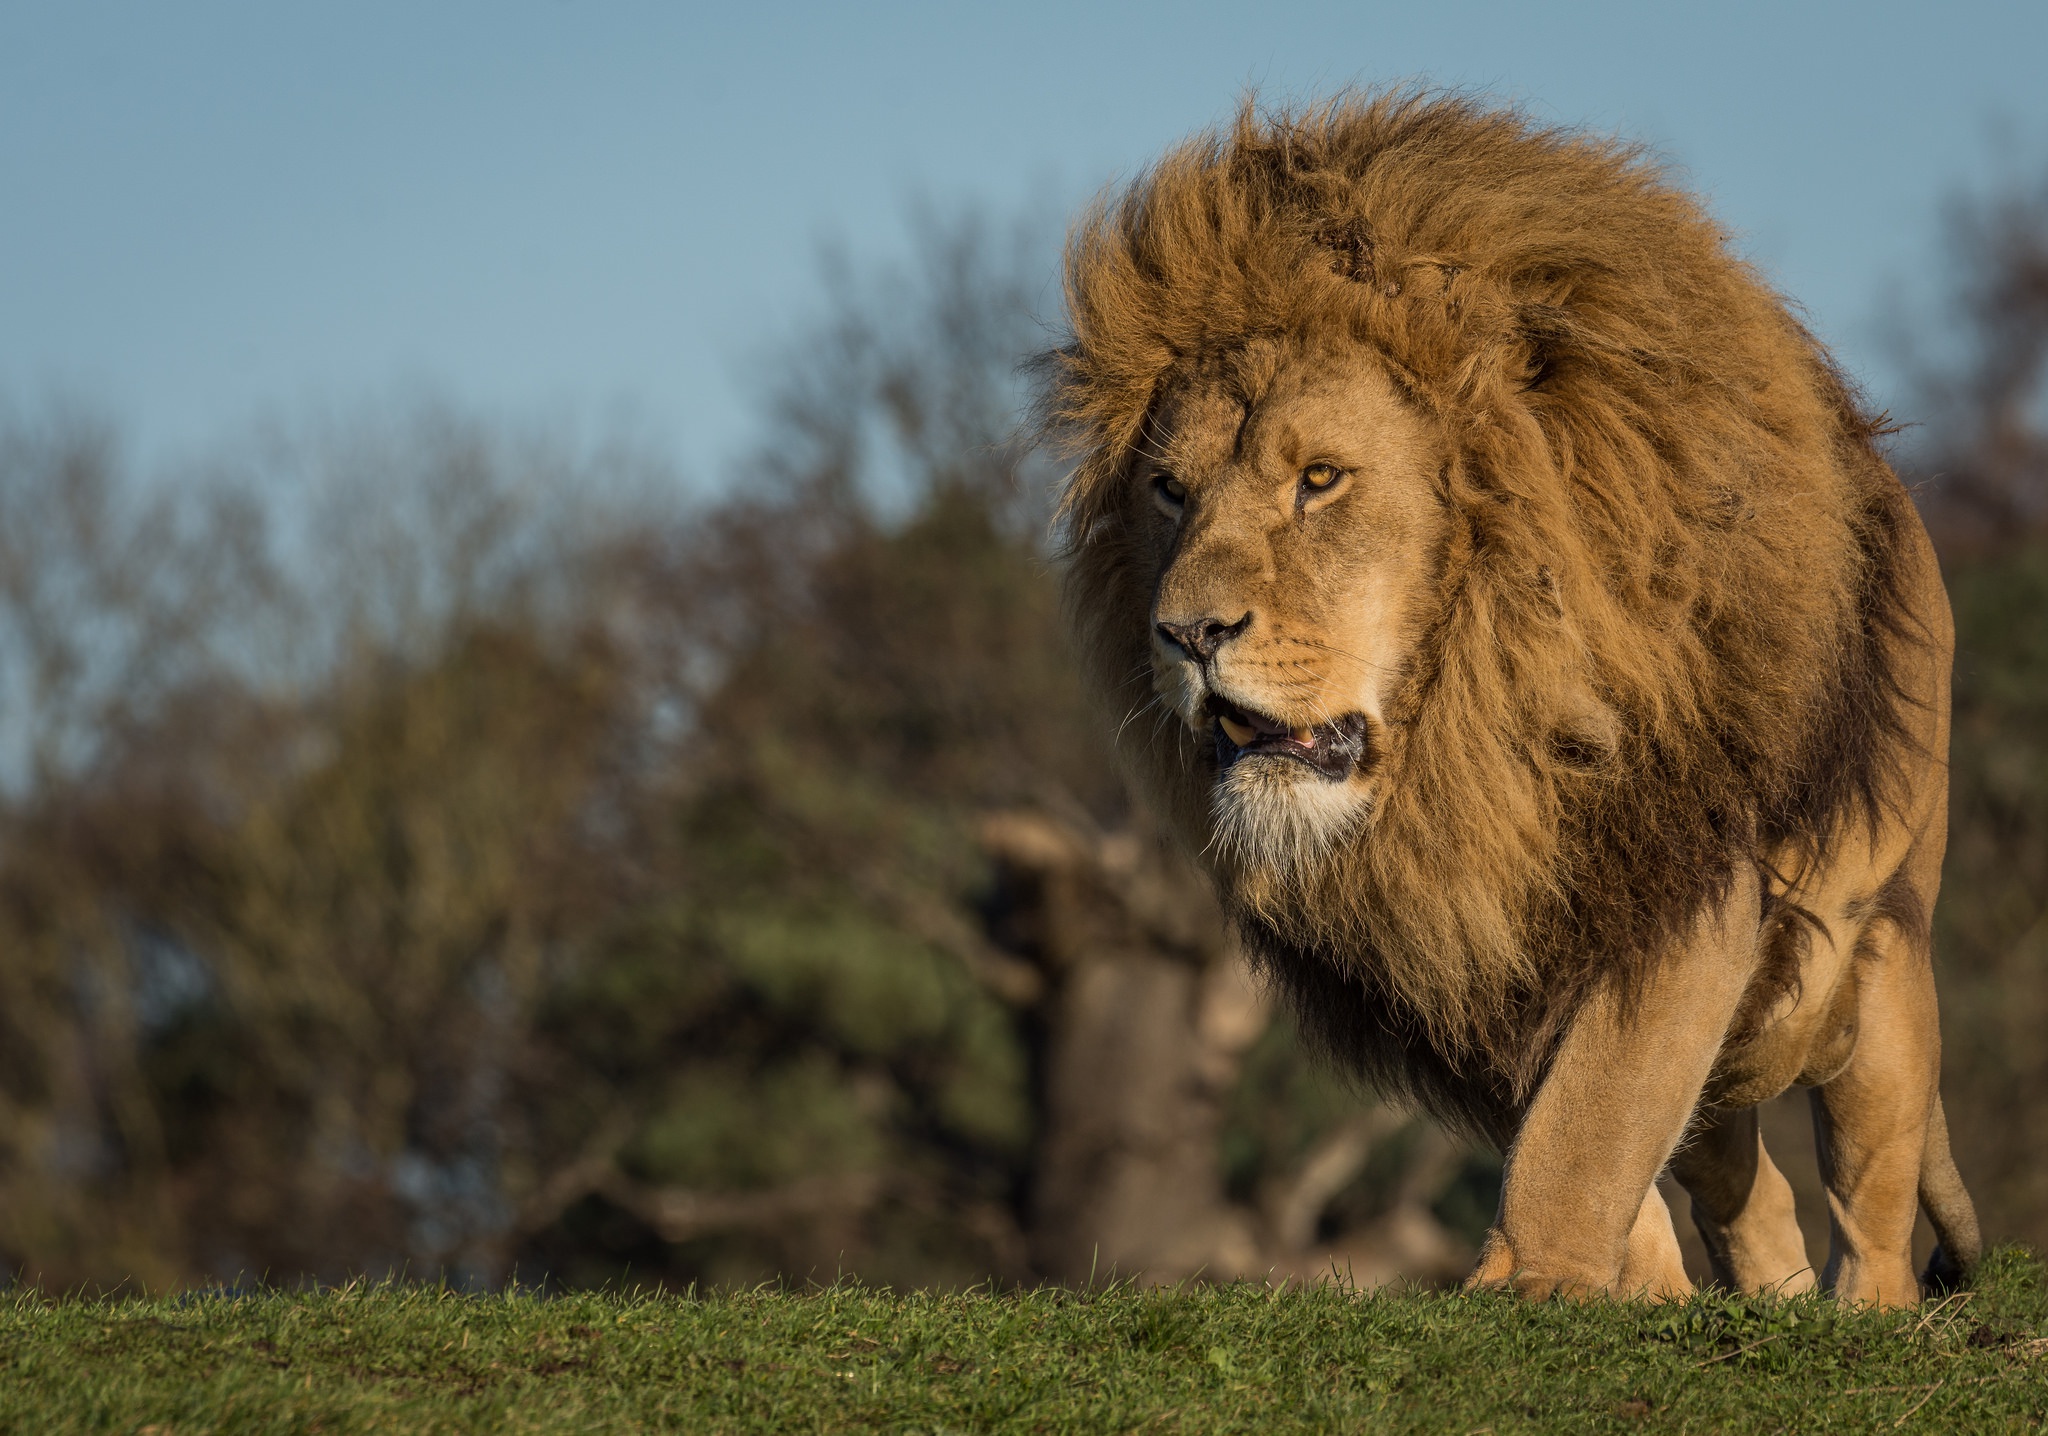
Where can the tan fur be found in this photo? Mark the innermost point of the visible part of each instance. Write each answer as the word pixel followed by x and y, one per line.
pixel 1640 625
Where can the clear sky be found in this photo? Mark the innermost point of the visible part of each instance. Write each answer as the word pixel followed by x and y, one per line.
pixel 213 212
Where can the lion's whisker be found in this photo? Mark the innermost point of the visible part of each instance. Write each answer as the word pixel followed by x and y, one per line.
pixel 1136 709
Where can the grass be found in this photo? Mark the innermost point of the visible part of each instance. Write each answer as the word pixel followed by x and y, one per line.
pixel 846 1358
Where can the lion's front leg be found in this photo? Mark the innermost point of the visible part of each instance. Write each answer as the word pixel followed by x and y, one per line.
pixel 1624 1081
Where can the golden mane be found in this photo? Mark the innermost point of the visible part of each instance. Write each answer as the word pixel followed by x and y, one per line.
pixel 1661 644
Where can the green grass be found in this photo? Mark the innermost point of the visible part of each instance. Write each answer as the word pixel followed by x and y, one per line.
pixel 1233 1358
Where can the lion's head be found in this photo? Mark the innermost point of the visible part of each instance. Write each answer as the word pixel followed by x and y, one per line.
pixel 1297 531
pixel 1478 560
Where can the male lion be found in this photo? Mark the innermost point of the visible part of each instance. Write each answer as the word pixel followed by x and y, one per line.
pixel 1547 667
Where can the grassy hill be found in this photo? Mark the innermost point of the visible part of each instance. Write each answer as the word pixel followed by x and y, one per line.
pixel 842 1358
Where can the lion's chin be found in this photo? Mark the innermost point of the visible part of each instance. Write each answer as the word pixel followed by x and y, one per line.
pixel 1275 812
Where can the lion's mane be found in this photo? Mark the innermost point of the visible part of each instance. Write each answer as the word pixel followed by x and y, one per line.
pixel 1669 610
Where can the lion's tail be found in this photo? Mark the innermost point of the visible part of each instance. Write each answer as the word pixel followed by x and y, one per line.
pixel 1949 1211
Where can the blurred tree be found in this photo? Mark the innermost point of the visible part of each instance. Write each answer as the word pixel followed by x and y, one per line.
pixel 1980 370
pixel 438 849
pixel 275 937
pixel 903 834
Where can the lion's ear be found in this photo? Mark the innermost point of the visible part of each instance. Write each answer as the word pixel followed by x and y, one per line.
pixel 1350 248
pixel 1585 741
pixel 1551 338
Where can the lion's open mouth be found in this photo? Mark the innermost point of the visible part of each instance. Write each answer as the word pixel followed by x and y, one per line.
pixel 1333 749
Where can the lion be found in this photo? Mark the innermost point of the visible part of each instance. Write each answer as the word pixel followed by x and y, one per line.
pixel 1508 601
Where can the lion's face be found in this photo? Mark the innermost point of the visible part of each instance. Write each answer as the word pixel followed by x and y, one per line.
pixel 1296 531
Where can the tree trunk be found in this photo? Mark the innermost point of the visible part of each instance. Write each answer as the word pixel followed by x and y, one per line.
pixel 1145 1010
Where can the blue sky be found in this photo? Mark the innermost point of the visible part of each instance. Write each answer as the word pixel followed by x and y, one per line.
pixel 215 213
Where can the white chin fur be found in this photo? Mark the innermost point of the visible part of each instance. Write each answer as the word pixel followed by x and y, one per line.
pixel 1275 813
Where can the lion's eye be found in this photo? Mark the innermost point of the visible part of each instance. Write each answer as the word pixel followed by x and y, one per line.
pixel 1318 477
pixel 1171 491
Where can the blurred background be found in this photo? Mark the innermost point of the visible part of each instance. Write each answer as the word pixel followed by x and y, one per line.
pixel 535 738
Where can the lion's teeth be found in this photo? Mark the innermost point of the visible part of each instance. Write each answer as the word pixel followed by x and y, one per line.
pixel 1303 737
pixel 1236 732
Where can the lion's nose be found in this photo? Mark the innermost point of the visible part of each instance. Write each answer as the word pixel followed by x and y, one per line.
pixel 1200 639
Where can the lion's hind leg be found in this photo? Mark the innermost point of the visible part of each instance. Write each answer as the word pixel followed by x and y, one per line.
pixel 1743 1206
pixel 1873 1123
